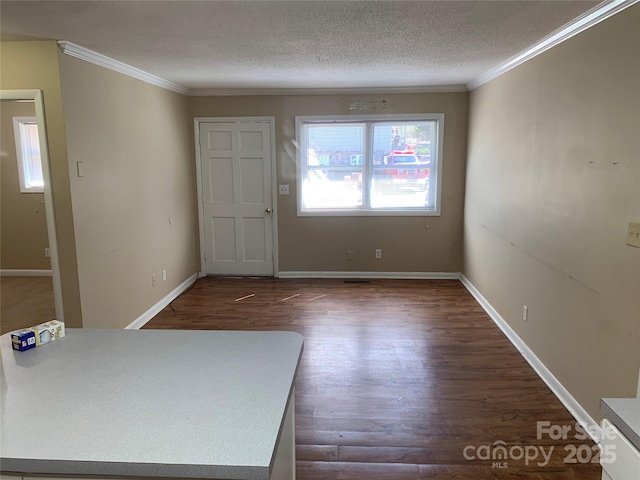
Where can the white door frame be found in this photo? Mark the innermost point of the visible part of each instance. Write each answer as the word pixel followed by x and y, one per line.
pixel 38 100
pixel 274 181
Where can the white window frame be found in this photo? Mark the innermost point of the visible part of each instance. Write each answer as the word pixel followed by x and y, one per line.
pixel 22 154
pixel 435 169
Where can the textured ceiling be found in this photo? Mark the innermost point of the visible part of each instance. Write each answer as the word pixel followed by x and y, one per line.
pixel 297 44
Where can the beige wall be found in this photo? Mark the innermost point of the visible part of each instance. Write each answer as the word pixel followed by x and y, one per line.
pixel 321 243
pixel 34 65
pixel 23 221
pixel 553 178
pixel 134 208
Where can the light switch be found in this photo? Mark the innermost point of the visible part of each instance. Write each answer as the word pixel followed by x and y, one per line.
pixel 633 234
pixel 284 190
pixel 80 168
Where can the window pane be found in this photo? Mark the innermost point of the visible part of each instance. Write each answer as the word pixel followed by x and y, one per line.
pixel 31 155
pixel 334 160
pixel 401 165
pixel 333 188
pixel 369 164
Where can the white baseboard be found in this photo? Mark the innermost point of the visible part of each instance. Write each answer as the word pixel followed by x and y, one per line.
pixel 25 273
pixel 395 275
pixel 571 404
pixel 157 308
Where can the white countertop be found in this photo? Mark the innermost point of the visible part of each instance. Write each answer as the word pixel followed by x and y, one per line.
pixel 190 404
pixel 624 413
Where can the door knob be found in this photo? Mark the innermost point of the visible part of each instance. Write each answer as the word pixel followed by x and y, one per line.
pixel 267 211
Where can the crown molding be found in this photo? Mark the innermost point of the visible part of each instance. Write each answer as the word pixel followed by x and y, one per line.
pixel 73 50
pixel 225 92
pixel 587 20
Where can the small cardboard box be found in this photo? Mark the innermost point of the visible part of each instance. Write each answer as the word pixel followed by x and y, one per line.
pixel 23 340
pixel 48 332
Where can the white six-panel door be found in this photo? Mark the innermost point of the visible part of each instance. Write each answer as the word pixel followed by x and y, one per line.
pixel 236 188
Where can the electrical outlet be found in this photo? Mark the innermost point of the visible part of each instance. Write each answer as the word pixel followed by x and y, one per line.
pixel 525 312
pixel 283 189
pixel 633 234
pixel 378 253
pixel 47 253
pixel 349 255
pixel 164 275
pixel 153 280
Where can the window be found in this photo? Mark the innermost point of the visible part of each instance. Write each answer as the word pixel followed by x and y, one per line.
pixel 369 165
pixel 28 152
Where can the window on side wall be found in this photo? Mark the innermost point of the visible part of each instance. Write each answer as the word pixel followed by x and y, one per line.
pixel 28 153
pixel 369 165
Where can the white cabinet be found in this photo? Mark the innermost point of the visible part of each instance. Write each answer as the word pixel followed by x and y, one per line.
pixel 624 456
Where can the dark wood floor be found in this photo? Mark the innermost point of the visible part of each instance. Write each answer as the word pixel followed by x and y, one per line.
pixel 398 378
pixel 25 302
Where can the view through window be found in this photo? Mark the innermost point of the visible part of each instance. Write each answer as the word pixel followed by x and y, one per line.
pixel 369 165
pixel 28 153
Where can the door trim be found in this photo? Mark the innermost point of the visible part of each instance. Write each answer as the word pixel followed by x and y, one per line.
pixel 38 100
pixel 274 181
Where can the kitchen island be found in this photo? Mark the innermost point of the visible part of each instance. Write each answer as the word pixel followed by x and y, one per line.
pixel 620 439
pixel 151 403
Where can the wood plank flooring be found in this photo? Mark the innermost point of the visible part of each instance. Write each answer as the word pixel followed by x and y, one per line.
pixel 25 301
pixel 398 380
